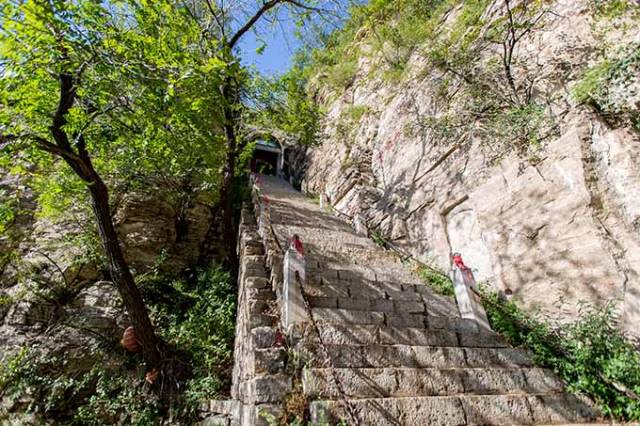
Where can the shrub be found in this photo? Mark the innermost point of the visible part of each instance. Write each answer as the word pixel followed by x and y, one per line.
pixel 611 86
pixel 194 315
pixel 590 355
pixel 436 280
pixel 342 74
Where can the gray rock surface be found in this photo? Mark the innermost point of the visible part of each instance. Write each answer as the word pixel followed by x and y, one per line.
pixel 557 224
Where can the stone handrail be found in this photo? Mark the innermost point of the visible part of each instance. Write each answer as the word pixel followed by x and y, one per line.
pixel 467 296
pixel 293 308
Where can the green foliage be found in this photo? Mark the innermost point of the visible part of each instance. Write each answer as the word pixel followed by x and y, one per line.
pixel 147 99
pixel 196 313
pixel 117 400
pixel 378 239
pixel 7 211
pixel 613 8
pixel 608 85
pixel 590 354
pixel 521 125
pixel 195 316
pixel 283 104
pixel 97 396
pixel 436 280
pixel 356 112
pixel 341 75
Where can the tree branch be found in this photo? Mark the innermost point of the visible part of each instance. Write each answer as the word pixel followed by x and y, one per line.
pixel 52 148
pixel 216 18
pixel 251 22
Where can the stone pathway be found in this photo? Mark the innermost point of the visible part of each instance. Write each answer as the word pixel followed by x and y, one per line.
pixel 400 353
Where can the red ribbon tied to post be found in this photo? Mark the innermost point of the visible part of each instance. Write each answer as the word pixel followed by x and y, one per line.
pixel 297 244
pixel 457 260
pixel 279 339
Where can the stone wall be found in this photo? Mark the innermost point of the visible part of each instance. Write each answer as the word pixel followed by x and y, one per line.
pixel 259 381
pixel 557 225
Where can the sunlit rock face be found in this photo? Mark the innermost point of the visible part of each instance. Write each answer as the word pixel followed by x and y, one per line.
pixel 557 222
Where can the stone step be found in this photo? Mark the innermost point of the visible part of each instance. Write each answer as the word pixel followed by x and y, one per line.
pixel 320 383
pixel 378 296
pixel 386 356
pixel 392 319
pixel 462 333
pixel 457 410
pixel 368 304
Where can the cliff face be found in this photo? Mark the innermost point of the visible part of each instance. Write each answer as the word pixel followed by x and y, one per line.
pixel 499 159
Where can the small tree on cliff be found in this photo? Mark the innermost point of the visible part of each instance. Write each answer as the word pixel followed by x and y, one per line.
pixel 114 89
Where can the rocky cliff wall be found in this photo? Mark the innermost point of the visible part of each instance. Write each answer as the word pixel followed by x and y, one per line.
pixel 540 196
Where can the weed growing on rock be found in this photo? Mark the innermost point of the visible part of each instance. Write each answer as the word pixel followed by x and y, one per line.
pixel 436 280
pixel 609 87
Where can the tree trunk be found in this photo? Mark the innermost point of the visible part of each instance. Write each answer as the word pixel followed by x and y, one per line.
pixel 226 192
pixel 121 275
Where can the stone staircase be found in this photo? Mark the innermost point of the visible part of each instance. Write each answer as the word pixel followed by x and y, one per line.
pixel 384 349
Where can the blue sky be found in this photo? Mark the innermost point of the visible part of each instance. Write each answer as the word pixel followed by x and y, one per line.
pixel 276 57
pixel 281 42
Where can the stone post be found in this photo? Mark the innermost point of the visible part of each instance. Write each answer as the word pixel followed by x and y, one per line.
pixel 324 201
pixel 464 284
pixel 293 308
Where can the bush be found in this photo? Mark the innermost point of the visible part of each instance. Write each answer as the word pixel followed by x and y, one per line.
pixel 611 86
pixel 590 355
pixel 194 315
pixel 436 280
pixel 342 74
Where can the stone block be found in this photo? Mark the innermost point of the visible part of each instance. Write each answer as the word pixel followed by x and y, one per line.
pixel 498 357
pixel 263 337
pixel 382 305
pixel 493 381
pixel 438 357
pixel 412 411
pixel 356 304
pixel 323 302
pixel 268 388
pixel 428 382
pixel 561 408
pixel 355 383
pixel 541 380
pixel 257 306
pixel 348 316
pixel 260 320
pixel 416 336
pixel 409 306
pixel 260 293
pixel 340 334
pixel 257 282
pixel 404 295
pixel 399 319
pixel 270 360
pixel 482 340
pixel 496 409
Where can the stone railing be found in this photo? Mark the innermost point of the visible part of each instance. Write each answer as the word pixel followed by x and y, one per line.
pixel 467 294
pixel 294 311
pixel 259 382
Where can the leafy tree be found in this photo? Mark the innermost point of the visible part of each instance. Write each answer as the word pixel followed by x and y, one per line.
pixel 123 90
pixel 223 17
